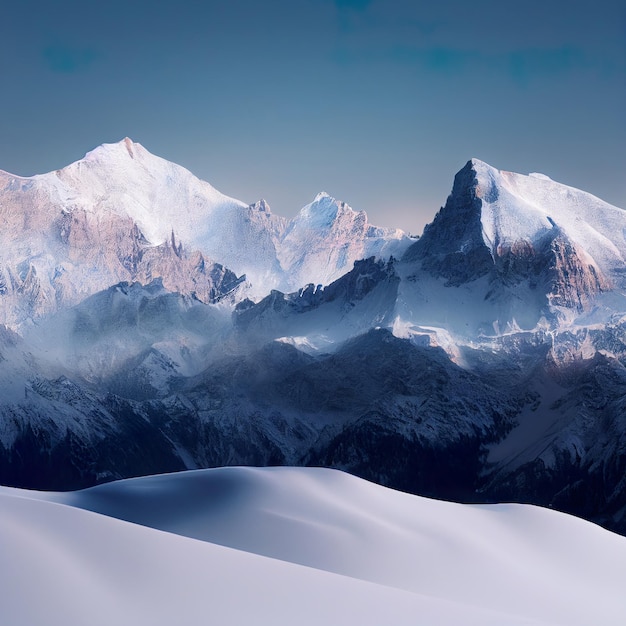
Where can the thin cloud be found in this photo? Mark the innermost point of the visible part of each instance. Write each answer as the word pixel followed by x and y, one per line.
pixel 521 65
pixel 68 60
pixel 526 64
pixel 359 5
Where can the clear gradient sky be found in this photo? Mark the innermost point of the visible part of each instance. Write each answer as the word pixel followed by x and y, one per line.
pixel 377 102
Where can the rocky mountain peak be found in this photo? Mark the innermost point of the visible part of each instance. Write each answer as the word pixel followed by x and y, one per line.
pixel 262 206
pixel 452 245
pixel 534 241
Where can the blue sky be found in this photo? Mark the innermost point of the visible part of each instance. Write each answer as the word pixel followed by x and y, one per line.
pixel 378 102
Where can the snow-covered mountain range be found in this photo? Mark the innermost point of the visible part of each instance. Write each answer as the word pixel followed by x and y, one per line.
pixel 153 324
pixel 123 214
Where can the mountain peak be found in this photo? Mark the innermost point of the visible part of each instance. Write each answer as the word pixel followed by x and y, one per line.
pixel 325 211
pixel 129 146
pixel 261 205
pixel 517 229
pixel 322 212
pixel 452 245
pixel 321 195
pixel 118 153
pixel 539 175
pixel 478 163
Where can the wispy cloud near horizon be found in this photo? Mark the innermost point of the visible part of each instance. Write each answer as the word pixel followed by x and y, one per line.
pixel 521 65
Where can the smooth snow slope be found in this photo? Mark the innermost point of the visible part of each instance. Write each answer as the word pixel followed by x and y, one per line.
pixel 159 195
pixel 516 208
pixel 403 559
pixel 62 566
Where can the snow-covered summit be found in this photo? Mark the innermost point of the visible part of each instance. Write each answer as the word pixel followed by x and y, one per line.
pixel 524 250
pixel 123 183
pixel 321 195
pixel 492 212
pixel 515 207
pixel 540 175
pixel 158 195
pixel 324 210
pixel 249 238
pixel 327 236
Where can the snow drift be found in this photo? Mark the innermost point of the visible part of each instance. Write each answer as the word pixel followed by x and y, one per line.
pixel 285 545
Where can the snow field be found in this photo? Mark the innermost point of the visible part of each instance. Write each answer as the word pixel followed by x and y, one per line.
pixel 297 545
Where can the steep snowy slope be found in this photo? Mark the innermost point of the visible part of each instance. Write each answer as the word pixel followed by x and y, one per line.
pixel 159 196
pixel 49 262
pixel 327 236
pixel 499 210
pixel 528 248
pixel 519 208
pixel 400 556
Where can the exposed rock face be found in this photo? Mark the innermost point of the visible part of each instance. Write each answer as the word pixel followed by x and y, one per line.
pixel 479 233
pixel 452 246
pixel 85 252
pixel 370 288
pixel 573 278
pixel 554 266
pixel 577 458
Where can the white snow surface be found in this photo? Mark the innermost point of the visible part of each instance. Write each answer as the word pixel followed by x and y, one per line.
pixel 297 546
pixel 516 208
pixel 160 196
